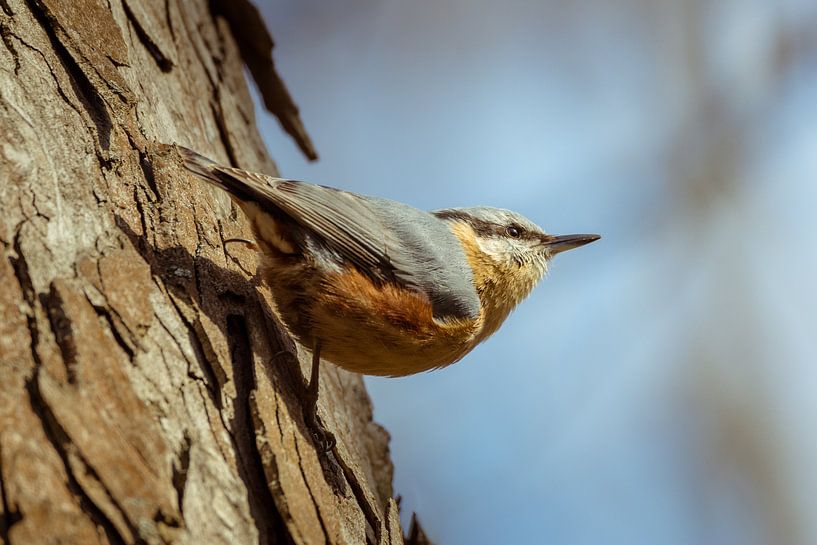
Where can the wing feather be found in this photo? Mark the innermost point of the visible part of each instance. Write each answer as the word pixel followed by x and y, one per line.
pixel 386 240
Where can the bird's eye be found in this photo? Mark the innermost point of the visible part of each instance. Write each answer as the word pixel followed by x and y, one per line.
pixel 513 231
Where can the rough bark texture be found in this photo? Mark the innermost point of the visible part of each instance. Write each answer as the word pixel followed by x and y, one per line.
pixel 148 394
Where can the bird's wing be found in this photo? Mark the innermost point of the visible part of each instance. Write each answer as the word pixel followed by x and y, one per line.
pixel 387 240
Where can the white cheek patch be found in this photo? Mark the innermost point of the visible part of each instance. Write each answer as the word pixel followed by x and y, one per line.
pixel 495 248
pixel 507 252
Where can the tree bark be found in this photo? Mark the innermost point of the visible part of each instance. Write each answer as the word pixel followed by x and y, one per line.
pixel 148 393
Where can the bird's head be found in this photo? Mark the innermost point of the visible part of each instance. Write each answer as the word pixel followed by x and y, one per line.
pixel 508 253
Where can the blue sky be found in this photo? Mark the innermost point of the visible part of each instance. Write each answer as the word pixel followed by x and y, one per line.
pixel 657 387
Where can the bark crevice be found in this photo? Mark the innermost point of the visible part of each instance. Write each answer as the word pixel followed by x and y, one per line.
pixel 180 471
pixel 20 268
pixel 369 511
pixel 61 327
pixel 163 62
pixel 223 133
pixel 60 441
pixel 264 510
pixel 5 34
pixel 115 326
pixel 9 515
pixel 311 493
pixel 89 96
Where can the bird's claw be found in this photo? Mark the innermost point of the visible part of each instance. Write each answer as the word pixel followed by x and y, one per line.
pixel 323 438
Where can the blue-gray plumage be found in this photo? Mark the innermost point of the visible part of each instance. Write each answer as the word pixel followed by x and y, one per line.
pixel 385 239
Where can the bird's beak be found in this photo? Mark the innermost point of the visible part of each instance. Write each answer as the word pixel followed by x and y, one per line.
pixel 563 243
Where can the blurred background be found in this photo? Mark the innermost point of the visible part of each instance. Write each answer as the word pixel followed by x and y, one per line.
pixel 660 386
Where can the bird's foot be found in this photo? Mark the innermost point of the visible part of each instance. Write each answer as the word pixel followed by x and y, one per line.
pixel 324 439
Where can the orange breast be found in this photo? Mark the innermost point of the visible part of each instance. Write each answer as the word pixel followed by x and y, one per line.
pixel 370 329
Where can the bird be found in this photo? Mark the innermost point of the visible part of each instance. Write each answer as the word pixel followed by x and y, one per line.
pixel 376 286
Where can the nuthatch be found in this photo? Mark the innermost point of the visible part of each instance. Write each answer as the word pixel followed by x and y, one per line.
pixel 377 286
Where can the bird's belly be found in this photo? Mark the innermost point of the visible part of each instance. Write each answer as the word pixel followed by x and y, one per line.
pixel 375 330
pixel 385 350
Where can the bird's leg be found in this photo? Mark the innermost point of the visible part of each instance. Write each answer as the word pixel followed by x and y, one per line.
pixel 323 437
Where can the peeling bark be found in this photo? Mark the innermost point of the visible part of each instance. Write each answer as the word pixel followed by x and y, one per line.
pixel 148 392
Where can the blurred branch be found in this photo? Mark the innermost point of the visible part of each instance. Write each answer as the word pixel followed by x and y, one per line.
pixel 255 43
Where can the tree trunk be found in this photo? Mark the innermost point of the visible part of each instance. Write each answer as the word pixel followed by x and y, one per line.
pixel 148 393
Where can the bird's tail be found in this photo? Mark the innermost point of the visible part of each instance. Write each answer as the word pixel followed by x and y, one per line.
pixel 200 165
pixel 242 185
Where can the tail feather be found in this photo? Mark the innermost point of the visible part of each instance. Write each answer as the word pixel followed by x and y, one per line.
pixel 253 194
pixel 244 186
pixel 200 165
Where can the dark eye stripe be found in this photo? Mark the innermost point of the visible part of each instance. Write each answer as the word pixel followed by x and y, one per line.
pixel 482 227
